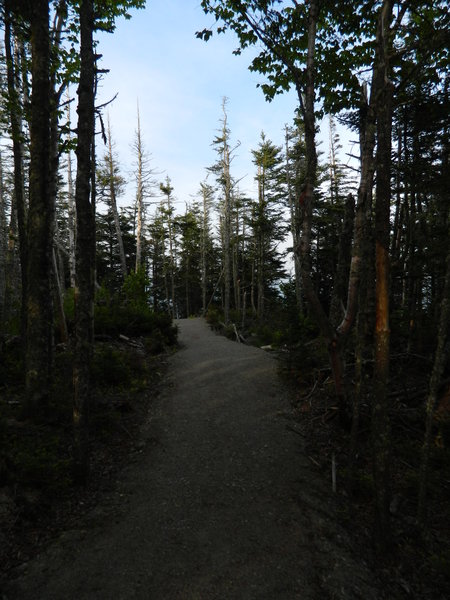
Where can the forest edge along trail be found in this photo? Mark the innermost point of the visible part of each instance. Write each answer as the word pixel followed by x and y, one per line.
pixel 221 504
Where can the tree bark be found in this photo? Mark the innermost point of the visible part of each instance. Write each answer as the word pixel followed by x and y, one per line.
pixel 113 200
pixel 16 135
pixel 71 221
pixel 226 175
pixel 139 194
pixel 435 380
pixel 3 247
pixel 344 257
pixel 40 223
pixel 167 191
pixel 380 416
pixel 85 245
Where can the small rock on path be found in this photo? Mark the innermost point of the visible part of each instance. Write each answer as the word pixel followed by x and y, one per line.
pixel 221 505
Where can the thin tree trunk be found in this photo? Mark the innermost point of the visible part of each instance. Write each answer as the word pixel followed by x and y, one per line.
pixel 344 256
pixel 204 234
pixel 227 210
pixel 12 266
pixel 85 246
pixel 380 416
pixel 113 200
pixel 40 222
pixel 167 189
pixel 139 195
pixel 235 246
pixel 71 221
pixel 16 134
pixel 3 247
pixel 435 380
pixel 60 301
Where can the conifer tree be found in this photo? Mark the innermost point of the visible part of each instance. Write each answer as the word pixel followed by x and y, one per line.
pixel 268 231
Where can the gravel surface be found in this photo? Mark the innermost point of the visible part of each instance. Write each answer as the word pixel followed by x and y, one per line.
pixel 222 503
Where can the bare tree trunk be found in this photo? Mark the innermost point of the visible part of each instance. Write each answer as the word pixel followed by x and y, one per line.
pixel 252 287
pixel 380 416
pixel 85 246
pixel 226 218
pixel 167 191
pixel 60 300
pixel 71 220
pixel 435 380
pixel 139 194
pixel 40 223
pixel 12 266
pixel 235 254
pixel 344 256
pixel 113 199
pixel 16 134
pixel 206 194
pixel 3 246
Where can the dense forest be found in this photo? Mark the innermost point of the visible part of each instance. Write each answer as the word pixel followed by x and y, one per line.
pixel 341 266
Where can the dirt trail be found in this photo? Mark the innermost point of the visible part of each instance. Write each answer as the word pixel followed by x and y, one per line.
pixel 222 503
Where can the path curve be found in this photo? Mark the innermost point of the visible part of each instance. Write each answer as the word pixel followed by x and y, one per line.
pixel 221 505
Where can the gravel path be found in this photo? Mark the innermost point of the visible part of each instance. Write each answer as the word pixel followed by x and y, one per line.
pixel 221 504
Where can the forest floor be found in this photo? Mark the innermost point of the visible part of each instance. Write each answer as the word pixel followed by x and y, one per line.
pixel 217 500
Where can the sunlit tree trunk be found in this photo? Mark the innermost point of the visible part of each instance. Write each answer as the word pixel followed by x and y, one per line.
pixel 380 416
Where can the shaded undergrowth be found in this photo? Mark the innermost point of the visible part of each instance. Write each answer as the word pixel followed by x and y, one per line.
pixel 419 563
pixel 37 493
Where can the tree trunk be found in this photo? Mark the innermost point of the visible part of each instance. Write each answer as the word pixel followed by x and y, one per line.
pixel 59 296
pixel 85 246
pixel 206 193
pixel 167 190
pixel 113 199
pixel 71 221
pixel 16 134
pixel 3 247
pixel 227 238
pixel 139 195
pixel 380 416
pixel 40 222
pixel 344 256
pixel 435 380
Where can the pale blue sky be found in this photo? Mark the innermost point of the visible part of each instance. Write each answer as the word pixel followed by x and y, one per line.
pixel 180 81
